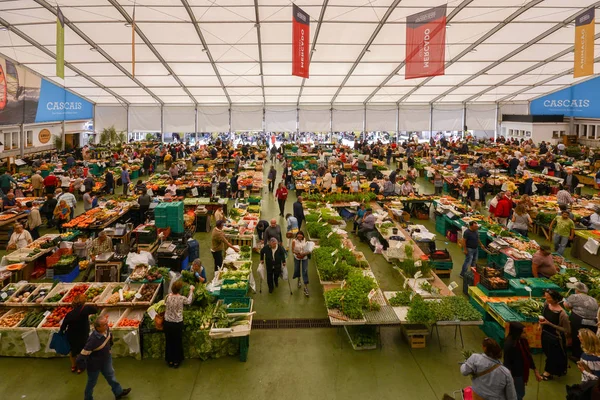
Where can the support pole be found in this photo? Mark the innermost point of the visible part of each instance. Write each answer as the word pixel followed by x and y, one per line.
pixel 365 122
pixel 22 140
pixel 497 122
pixel 430 120
pixel 464 119
pixel 162 125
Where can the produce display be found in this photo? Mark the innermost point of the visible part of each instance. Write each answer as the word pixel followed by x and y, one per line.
pixel 55 298
pixel 39 296
pixel 352 300
pixel 448 308
pixel 55 318
pixel 23 293
pixel 76 291
pixel 94 292
pixel 130 323
pixel 7 292
pixel 11 320
pixel 146 293
pixel 32 320
pixel 221 319
pixel 401 298
pixel 529 308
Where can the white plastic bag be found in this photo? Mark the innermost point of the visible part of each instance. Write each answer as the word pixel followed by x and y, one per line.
pixel 534 188
pixel 32 341
pixel 310 246
pixel 252 282
pixel 133 341
pixel 591 246
pixel 509 267
pixel 284 273
pixel 262 271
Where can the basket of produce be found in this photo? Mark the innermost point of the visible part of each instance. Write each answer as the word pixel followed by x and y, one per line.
pixel 113 315
pixel 21 295
pixel 233 288
pixel 119 294
pixel 94 293
pixel 8 291
pixel 146 294
pixel 530 309
pixel 130 319
pixel 12 318
pixel 39 294
pixel 494 283
pixel 490 272
pixel 51 260
pixel 54 319
pixel 56 294
pixel 74 293
pixel 33 319
pixel 237 304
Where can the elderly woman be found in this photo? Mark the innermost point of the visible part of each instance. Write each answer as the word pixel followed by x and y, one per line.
pixel 174 323
pixel 407 188
pixel 20 238
pixel 354 185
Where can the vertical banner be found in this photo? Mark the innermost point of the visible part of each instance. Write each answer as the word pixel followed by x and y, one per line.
pixel 300 39
pixel 60 44
pixel 584 44
pixel 133 43
pixel 426 43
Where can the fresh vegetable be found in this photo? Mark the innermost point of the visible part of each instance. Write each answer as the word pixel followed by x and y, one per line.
pixel 55 298
pixel 529 308
pixel 401 298
pixel 76 291
pixel 32 320
pixel 55 318
pixel 94 292
pixel 8 321
pixel 126 322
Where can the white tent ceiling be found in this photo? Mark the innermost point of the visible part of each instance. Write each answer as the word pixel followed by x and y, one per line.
pixel 238 51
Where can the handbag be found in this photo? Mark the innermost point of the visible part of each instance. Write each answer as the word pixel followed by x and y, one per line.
pixel 60 344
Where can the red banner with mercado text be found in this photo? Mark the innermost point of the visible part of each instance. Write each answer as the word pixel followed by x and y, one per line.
pixel 426 43
pixel 300 42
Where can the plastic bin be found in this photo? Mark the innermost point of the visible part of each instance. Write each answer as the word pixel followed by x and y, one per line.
pixel 68 278
pixel 233 292
pixel 230 300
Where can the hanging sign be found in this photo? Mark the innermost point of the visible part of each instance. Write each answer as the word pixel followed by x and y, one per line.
pixel 300 42
pixel 584 44
pixel 426 43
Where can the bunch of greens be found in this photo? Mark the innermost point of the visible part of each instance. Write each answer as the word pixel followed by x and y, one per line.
pixel 352 299
pixel 318 230
pixel 420 312
pixel 362 336
pixel 329 269
pixel 401 298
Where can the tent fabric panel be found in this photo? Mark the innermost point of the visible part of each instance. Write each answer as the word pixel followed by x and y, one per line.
pixel 513 108
pixel 280 119
pixel 414 117
pixel 447 117
pixel 213 119
pixel 179 119
pixel 107 116
pixel 315 119
pixel 481 117
pixel 247 118
pixel 348 118
pixel 144 119
pixel 382 118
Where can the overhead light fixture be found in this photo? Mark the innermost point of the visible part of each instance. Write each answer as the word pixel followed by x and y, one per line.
pixel 128 24
pixel 3 28
pixel 93 49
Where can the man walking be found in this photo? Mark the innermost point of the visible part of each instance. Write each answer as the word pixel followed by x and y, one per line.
pixel 125 180
pixel 273 256
pixel 96 354
pixel 471 245
pixel 272 232
pixel 298 210
pixel 37 183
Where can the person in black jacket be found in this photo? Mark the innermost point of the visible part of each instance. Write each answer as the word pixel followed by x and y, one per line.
pixel 274 257
pixel 476 195
pixel 571 181
pixel 260 228
pixel 512 166
pixel 109 182
pixel 299 211
pixel 96 355
pixel 518 358
pixel 147 162
pixel 77 327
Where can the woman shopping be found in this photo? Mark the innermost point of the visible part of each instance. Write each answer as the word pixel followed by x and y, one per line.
pixel 301 251
pixel 555 329
pixel 62 214
pixel 281 195
pixel 518 358
pixel 173 325
pixel 77 327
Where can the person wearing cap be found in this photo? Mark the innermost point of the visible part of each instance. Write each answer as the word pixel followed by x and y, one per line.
pixel 584 309
pixel 518 358
pixel 565 231
pixel 542 263
pixel 555 329
pixel 37 184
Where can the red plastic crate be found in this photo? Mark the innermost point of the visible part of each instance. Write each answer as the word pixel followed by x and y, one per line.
pixel 476 275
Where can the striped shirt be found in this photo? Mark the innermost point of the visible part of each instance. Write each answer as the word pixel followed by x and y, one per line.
pixel 564 197
pixel 593 363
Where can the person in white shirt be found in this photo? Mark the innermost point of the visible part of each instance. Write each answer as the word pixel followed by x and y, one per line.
pixel 172 188
pixel 69 198
pixel 595 219
pixel 19 239
pixel 327 181
pixel 65 181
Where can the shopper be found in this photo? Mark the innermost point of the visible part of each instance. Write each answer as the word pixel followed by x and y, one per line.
pixel 171 188
pixel 69 198
pixel 97 357
pixel 571 181
pixel 292 229
pixel 521 221
pixel 518 358
pixel 360 213
pixel 88 200
pixel 219 214
pixel 34 220
pixel 144 202
pixel 274 258
pixel 173 324
pixel 589 364
pixel 271 178
pixel 19 239
pixel 584 311
pixel 261 227
pixel 470 245
pixel 48 209
pixel 555 329
pixel 65 182
pixel 503 209
pixel 125 180
pixel 563 197
pixel 281 195
pixel 37 184
pixel 438 183
pixel 367 225
pixel 476 196
pixel 76 325
pixel 300 251
pixel 6 180
pixel 218 242
pixel 565 231
pixel 50 183
pixel 298 210
pixel 62 214
pixel 109 182
pixel 273 231
pixel 490 379
pixel 542 263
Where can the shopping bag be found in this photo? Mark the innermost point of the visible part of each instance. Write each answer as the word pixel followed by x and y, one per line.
pixel 534 188
pixel 31 341
pixel 284 273
pixel 60 344
pixel 262 271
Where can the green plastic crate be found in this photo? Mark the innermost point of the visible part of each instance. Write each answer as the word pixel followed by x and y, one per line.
pixel 538 286
pixel 495 293
pixel 442 264
pixel 233 292
pixel 493 330
pixel 230 300
pixel 484 314
pixel 504 313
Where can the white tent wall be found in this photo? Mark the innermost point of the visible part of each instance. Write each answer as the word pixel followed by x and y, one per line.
pixel 179 119
pixel 315 118
pixel 414 117
pixel 280 118
pixel 348 118
pixel 513 109
pixel 213 119
pixel 382 118
pixel 107 116
pixel 145 119
pixel 481 117
pixel 247 118
pixel 447 117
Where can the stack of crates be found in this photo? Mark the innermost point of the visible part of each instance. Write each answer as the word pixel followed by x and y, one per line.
pixel 170 215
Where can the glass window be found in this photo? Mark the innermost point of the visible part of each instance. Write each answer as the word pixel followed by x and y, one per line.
pixel 7 140
pixel 15 140
pixel 29 136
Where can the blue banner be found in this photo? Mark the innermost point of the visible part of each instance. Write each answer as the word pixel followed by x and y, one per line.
pixel 58 104
pixel 581 100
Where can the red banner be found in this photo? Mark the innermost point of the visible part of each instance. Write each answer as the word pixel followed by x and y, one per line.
pixel 426 43
pixel 300 39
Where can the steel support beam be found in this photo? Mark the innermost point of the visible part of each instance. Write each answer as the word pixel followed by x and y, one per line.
pixel 148 43
pixel 378 28
pixel 260 60
pixel 313 47
pixel 513 53
pixel 192 16
pixel 399 67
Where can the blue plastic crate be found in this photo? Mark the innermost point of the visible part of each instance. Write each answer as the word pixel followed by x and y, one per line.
pixel 70 277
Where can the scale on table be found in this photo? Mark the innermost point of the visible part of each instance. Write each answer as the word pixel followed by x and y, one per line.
pixel 104 257
pixel 167 247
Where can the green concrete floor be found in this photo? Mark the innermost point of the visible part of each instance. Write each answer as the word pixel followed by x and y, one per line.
pixel 288 363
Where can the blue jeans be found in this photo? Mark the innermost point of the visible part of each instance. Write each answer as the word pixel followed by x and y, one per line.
pixel 519 387
pixel 470 260
pixel 560 243
pixel 108 372
pixel 304 270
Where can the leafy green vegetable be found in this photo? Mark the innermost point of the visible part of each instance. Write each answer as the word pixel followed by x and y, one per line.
pixel 401 298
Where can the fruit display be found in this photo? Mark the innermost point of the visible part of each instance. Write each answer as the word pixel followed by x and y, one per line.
pixel 7 292
pixel 55 318
pixel 32 320
pixel 76 291
pixel 23 293
pixel 12 319
pixel 55 298
pixel 146 293
pixel 130 323
pixel 38 297
pixel 93 293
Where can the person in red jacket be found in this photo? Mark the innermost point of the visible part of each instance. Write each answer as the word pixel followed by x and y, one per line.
pixel 502 211
pixel 50 183
pixel 281 195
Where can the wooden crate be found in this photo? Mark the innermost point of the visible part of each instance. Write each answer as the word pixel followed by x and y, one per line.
pixel 416 335
pixel 443 273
